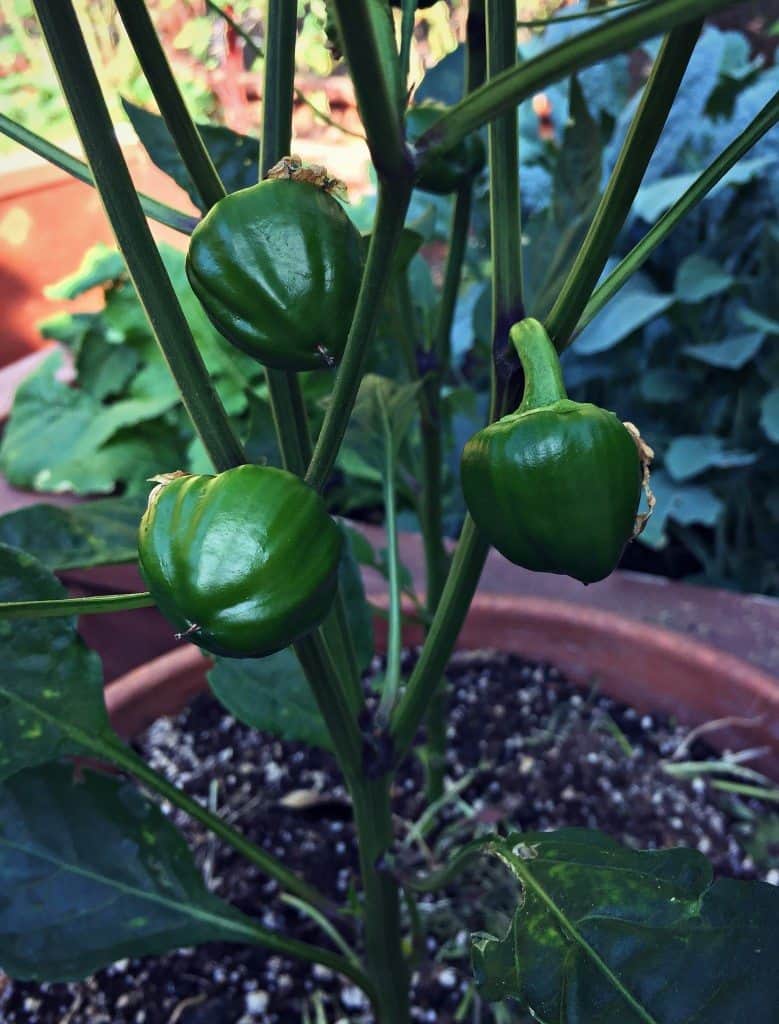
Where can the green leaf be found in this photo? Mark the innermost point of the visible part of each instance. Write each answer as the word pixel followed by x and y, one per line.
pixel 51 686
pixel 608 935
pixel 690 455
pixel 632 307
pixel 732 354
pixel 101 264
pixel 578 169
pixel 270 694
pixel 769 415
pixel 55 437
pixel 91 872
pixel 103 532
pixel 699 278
pixel 380 399
pixel 235 156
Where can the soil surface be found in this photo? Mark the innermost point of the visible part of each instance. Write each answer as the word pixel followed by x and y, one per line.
pixel 525 749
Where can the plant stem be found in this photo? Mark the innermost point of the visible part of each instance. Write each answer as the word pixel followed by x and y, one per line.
pixel 82 92
pixel 614 206
pixel 341 724
pixel 391 209
pixel 151 55
pixel 126 758
pixel 154 209
pixel 408 9
pixel 507 90
pixel 436 558
pixel 431 518
pixel 458 593
pixel 286 397
pixel 74 606
pixel 505 228
pixel 703 184
pixel 373 64
pixel 385 962
pixel 391 688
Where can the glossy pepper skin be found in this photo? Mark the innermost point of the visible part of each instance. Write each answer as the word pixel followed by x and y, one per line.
pixel 554 486
pixel 242 563
pixel 449 171
pixel 277 269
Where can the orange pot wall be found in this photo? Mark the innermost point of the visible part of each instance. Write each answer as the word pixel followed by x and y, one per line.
pixel 48 220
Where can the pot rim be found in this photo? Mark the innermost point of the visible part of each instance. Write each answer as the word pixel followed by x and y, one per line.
pixel 643 665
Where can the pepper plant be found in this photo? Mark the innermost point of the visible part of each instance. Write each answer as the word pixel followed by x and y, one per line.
pixel 246 562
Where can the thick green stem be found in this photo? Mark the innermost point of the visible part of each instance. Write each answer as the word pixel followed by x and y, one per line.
pixel 700 188
pixel 366 31
pixel 615 203
pixel 153 208
pixel 74 606
pixel 387 967
pixel 166 92
pixel 390 214
pixel 436 558
pixel 509 89
pixel 341 724
pixel 505 228
pixel 87 106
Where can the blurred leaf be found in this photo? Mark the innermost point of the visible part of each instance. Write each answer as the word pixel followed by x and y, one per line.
pixel 578 171
pixel 270 694
pixel 92 872
pixel 699 278
pixel 653 200
pixel 50 421
pixel 732 354
pixel 686 504
pixel 236 157
pixel 103 532
pixel 665 386
pixel 608 935
pixel 101 264
pixel 690 455
pixel 632 307
pixel 51 688
pixel 769 415
pixel 751 318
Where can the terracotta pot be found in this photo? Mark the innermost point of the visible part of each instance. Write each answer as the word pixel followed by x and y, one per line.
pixel 649 668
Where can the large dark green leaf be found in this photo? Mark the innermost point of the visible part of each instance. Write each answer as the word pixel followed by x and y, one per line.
pixel 270 694
pixel 103 532
pixel 90 872
pixel 608 935
pixel 236 157
pixel 51 686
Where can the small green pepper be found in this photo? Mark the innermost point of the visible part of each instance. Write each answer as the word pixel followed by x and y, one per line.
pixel 554 486
pixel 277 268
pixel 242 563
pixel 449 171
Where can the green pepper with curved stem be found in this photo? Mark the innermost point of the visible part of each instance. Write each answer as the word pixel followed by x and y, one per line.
pixel 242 563
pixel 554 486
pixel 277 268
pixel 451 170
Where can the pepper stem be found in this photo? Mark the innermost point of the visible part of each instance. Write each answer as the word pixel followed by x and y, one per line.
pixel 543 376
